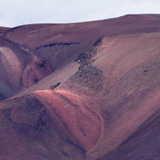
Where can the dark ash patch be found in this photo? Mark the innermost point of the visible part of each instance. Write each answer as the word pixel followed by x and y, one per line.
pixel 89 77
pixel 86 58
pixel 59 44
pixel 55 85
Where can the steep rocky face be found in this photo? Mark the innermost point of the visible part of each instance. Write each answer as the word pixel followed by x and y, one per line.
pixel 100 100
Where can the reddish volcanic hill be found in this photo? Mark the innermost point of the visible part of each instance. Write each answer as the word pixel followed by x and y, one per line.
pixel 84 91
pixel 20 68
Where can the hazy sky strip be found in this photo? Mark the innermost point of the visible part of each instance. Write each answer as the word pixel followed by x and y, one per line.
pixel 20 12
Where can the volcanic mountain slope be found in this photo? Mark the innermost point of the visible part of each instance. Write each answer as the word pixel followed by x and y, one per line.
pixel 62 43
pixel 3 29
pixel 20 68
pixel 101 101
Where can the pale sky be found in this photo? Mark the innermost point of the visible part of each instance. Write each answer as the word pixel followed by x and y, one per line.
pixel 20 12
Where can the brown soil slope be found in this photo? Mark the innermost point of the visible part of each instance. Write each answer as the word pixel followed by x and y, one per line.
pixel 62 43
pixel 3 30
pixel 101 102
